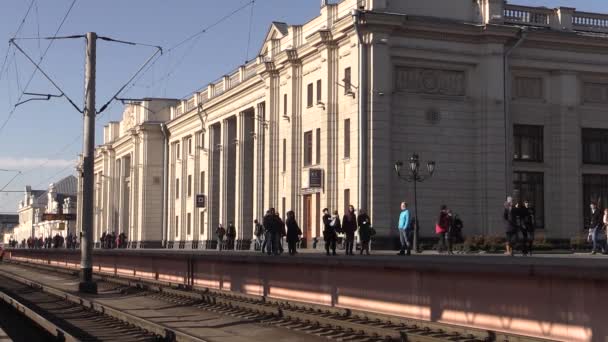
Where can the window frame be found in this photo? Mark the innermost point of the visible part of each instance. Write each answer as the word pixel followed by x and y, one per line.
pixel 319 91
pixel 347 81
pixel 539 207
pixel 535 137
pixel 318 147
pixel 309 95
pixel 347 139
pixel 308 148
pixel 587 141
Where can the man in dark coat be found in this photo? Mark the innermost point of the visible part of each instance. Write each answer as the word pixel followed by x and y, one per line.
pixel 365 231
pixel 595 225
pixel 510 222
pixel 349 226
pixel 230 236
pixel 329 233
pixel 272 230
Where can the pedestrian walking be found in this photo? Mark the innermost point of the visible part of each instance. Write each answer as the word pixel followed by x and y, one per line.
pixel 282 232
pixel 454 230
pixel 442 227
pixel 511 226
pixel 365 231
pixel 336 225
pixel 230 236
pixel 258 231
pixel 349 226
pixel 329 233
pixel 220 232
pixel 293 232
pixel 595 223
pixel 405 230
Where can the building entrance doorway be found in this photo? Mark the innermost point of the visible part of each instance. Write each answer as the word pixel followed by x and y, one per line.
pixel 306 221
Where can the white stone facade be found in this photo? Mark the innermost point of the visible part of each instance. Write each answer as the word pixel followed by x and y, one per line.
pixel 451 80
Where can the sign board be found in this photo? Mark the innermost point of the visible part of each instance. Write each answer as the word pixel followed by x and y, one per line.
pixel 315 178
pixel 61 226
pixel 201 201
pixel 58 217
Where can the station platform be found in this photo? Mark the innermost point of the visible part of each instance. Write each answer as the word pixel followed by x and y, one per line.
pixel 556 297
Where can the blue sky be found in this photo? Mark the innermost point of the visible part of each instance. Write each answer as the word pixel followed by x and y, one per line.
pixel 47 133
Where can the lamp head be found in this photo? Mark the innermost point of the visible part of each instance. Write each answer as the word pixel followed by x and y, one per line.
pixel 398 166
pixel 431 167
pixel 414 163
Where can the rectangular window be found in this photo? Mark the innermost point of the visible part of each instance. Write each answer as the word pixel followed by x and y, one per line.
pixel 318 154
pixel 308 148
pixel 177 188
pixel 283 207
pixel 176 226
pixel 595 146
pixel 202 182
pixel 309 96
pixel 347 138
pixel 189 224
pixel 346 199
pixel 177 155
pixel 530 186
pixel 595 188
pixel 202 140
pixel 319 89
pixel 284 155
pixel 190 146
pixel 347 81
pixel 189 185
pixel 528 143
pixel 318 213
pixel 285 104
pixel 201 225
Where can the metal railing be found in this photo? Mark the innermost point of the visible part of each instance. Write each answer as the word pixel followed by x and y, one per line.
pixel 593 22
pixel 525 15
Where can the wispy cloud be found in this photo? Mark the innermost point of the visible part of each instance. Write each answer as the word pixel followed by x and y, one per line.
pixel 29 163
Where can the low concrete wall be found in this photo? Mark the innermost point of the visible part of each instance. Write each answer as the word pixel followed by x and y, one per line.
pixel 554 298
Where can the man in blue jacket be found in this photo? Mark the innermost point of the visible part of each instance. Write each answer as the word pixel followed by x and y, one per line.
pixel 405 233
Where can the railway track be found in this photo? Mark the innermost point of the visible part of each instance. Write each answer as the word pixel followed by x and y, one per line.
pixel 328 322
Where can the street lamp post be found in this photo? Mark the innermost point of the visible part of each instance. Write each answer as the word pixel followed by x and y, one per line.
pixel 415 177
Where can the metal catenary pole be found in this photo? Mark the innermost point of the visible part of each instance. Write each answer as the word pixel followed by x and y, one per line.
pixel 86 243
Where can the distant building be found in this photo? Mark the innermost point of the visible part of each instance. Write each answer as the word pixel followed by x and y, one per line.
pixel 506 99
pixel 8 222
pixel 44 213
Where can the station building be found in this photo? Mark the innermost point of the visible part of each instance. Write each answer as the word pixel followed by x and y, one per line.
pixel 45 213
pixel 507 100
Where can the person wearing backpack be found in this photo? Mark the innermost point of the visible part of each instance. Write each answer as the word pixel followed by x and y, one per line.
pixel 405 230
pixel 258 231
pixel 220 232
pixel 365 230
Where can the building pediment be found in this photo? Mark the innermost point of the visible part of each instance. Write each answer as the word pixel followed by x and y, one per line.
pixel 277 30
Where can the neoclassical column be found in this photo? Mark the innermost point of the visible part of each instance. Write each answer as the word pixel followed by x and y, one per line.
pixel 239 199
pixel 295 74
pixel 224 174
pixel 134 209
pixel 258 164
pixel 271 147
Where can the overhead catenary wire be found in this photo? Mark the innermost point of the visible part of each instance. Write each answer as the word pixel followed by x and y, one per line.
pixel 4 63
pixel 12 112
pixel 196 35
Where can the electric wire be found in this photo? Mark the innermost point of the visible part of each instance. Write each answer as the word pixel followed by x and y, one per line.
pixel 4 63
pixel 12 112
pixel 195 37
pixel 249 34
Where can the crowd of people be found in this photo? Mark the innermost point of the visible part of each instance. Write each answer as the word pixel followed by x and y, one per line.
pixel 57 241
pixel 273 230
pixel 112 241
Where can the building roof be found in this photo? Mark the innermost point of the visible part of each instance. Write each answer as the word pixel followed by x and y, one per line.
pixel 66 187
